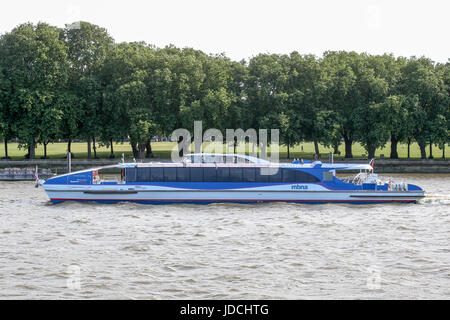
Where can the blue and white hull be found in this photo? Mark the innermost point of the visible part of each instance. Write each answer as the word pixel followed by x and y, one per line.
pixel 158 195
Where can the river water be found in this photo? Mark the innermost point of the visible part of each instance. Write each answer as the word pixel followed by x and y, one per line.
pixel 224 251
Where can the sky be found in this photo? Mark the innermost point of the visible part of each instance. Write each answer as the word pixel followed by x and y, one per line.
pixel 244 28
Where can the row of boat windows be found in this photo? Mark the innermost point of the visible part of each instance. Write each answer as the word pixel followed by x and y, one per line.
pixel 212 174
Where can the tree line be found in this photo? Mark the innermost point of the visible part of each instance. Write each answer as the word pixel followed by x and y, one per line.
pixel 77 83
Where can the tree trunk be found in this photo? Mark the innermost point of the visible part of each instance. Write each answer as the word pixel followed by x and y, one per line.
pixel 288 152
pixel 112 149
pixel 6 148
pixel 409 148
pixel 423 153
pixel 394 143
pixel 348 147
pixel 336 148
pixel 89 148
pixel 371 152
pixel 69 146
pixel 431 150
pixel 316 148
pixel 135 150
pixel 141 149
pixel 45 150
pixel 94 148
pixel 443 151
pixel 32 152
pixel 148 147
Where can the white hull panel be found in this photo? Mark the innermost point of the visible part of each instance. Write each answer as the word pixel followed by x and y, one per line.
pixel 152 195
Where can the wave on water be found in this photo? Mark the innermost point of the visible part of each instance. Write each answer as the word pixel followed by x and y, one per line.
pixel 436 199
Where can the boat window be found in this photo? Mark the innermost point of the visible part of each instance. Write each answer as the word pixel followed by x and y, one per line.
pixel 275 177
pixel 236 174
pixel 261 177
pixel 223 174
pixel 241 160
pixel 183 174
pixel 130 174
pixel 170 174
pixel 209 174
pixel 249 175
pixel 157 174
pixel 219 174
pixel 301 176
pixel 196 174
pixel 288 175
pixel 230 159
pixel 213 159
pixel 143 174
pixel 327 176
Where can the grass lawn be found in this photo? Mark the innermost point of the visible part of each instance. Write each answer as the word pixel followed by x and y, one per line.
pixel 163 150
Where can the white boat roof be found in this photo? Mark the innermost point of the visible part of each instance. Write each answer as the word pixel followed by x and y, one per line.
pixel 253 162
pixel 237 155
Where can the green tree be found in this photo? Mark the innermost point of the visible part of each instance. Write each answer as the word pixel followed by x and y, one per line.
pixel 266 97
pixel 176 84
pixel 372 127
pixel 88 47
pixel 128 106
pixel 133 99
pixel 443 71
pixel 421 82
pixel 371 115
pixel 216 101
pixel 399 122
pixel 342 93
pixel 50 124
pixel 34 61
pixel 7 119
pixel 311 120
pixel 388 68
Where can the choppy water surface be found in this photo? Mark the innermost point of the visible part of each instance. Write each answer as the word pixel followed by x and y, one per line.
pixel 227 251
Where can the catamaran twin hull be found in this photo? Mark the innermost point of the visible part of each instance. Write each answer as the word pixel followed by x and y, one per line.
pixel 212 182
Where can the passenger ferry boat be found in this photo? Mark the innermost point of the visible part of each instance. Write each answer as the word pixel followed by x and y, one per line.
pixel 211 178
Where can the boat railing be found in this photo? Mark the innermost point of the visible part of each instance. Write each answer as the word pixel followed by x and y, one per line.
pixel 109 178
pixel 365 177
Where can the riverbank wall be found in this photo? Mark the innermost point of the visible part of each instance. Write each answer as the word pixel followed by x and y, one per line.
pixel 60 166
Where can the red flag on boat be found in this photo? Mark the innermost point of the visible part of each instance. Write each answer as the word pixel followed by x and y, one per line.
pixel 371 162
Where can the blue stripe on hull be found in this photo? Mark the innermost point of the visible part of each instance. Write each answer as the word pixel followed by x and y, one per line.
pixel 205 202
